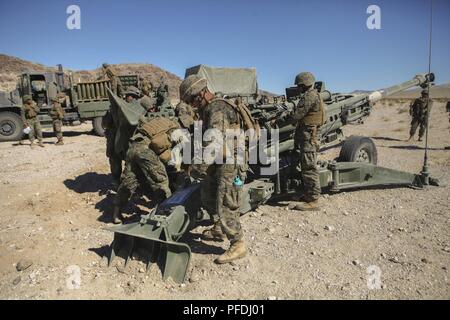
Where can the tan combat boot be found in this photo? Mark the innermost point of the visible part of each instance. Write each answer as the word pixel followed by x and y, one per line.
pixel 214 234
pixel 41 144
pixel 59 142
pixel 116 218
pixel 32 145
pixel 312 205
pixel 410 138
pixel 236 251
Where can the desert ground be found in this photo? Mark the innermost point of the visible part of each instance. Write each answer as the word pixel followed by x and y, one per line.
pixel 55 204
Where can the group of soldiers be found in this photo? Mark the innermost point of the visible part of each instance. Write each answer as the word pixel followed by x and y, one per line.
pixel 32 125
pixel 221 183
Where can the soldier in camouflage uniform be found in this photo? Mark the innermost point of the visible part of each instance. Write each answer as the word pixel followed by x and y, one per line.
pixel 108 72
pixel 29 114
pixel 419 110
pixel 146 87
pixel 222 186
pixel 310 115
pixel 142 166
pixel 115 158
pixel 57 115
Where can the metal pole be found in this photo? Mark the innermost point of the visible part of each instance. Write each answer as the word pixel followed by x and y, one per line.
pixel 425 173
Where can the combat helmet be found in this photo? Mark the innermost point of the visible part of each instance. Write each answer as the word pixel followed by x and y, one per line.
pixel 305 78
pixel 191 86
pixel 27 97
pixel 146 102
pixel 424 92
pixel 133 91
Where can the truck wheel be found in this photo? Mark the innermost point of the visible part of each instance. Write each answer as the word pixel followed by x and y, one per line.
pixel 358 149
pixel 98 128
pixel 11 126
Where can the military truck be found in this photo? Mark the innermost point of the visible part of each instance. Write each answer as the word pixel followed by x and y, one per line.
pixel 84 100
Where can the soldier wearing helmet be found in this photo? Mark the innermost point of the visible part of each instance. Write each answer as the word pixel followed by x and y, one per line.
pixel 310 115
pixel 419 111
pixel 132 94
pixel 57 115
pixel 146 87
pixel 29 113
pixel 222 185
pixel 109 73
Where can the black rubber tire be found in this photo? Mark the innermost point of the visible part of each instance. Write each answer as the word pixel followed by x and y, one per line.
pixel 11 126
pixel 98 128
pixel 359 149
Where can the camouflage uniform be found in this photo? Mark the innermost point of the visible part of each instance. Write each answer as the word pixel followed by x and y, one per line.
pixel 220 195
pixel 57 115
pixel 418 111
pixel 116 85
pixel 186 114
pixel 307 143
pixel 142 165
pixel 29 114
pixel 115 161
pixel 146 88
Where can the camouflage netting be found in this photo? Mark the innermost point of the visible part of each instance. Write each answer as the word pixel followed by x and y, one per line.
pixel 229 81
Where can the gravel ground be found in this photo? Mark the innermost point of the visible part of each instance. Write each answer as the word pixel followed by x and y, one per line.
pixel 55 204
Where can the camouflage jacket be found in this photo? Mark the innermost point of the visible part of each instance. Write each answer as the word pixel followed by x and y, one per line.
pixel 57 112
pixel 309 108
pixel 219 114
pixel 418 108
pixel 186 114
pixel 29 112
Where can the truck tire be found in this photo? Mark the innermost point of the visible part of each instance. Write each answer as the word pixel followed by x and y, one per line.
pixel 98 128
pixel 11 126
pixel 359 149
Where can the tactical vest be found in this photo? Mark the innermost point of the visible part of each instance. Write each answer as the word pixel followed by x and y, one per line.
pixel 316 117
pixel 30 112
pixel 158 130
pixel 245 118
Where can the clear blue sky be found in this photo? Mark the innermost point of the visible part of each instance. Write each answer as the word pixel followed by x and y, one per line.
pixel 279 38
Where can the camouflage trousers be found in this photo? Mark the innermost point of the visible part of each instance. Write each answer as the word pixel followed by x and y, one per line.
pixel 57 128
pixel 142 165
pixel 36 131
pixel 115 161
pixel 222 198
pixel 415 123
pixel 305 159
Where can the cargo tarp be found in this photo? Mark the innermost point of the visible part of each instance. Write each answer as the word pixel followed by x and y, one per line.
pixel 228 81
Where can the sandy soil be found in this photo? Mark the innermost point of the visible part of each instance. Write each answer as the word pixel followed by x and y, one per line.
pixel 55 203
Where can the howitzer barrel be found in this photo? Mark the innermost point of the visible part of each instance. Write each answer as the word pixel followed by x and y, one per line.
pixel 418 80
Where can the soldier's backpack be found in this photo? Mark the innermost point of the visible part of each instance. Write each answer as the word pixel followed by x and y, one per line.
pixel 158 130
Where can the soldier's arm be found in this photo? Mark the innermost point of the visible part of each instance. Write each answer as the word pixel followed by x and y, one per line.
pixel 22 115
pixel 302 111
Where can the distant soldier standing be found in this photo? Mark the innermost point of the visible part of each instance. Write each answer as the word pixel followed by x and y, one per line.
pixel 116 85
pixel 146 87
pixel 310 115
pixel 30 119
pixel 419 110
pixel 57 115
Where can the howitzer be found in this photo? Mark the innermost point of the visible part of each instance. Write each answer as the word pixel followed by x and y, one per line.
pixel 341 109
pixel 158 237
